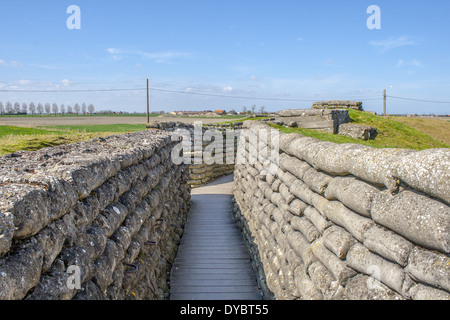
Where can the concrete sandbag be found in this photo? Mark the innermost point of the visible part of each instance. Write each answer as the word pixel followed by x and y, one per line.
pixel 305 285
pixel 388 244
pixel 337 267
pixel 353 193
pixel 430 267
pixel 418 218
pixel 338 241
pixel 305 226
pixel 352 222
pixel 427 171
pixel 362 260
pixel 316 218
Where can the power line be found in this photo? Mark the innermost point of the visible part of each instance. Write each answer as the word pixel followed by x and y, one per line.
pixel 199 94
pixel 70 90
pixel 411 99
pixel 156 89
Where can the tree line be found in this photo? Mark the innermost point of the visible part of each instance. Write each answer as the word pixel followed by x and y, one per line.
pixel 9 108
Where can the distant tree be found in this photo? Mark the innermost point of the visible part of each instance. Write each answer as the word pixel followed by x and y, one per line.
pixel 24 108
pixel 91 108
pixel 77 108
pixel 69 110
pixel 2 109
pixel 244 109
pixel 48 108
pixel 55 109
pixel 262 109
pixel 17 107
pixel 83 108
pixel 253 108
pixel 40 109
pixel 8 107
pixel 63 109
pixel 32 108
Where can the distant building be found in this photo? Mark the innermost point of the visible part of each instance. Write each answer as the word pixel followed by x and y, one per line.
pixel 221 112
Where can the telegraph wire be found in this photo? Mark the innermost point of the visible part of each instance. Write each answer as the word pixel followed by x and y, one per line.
pixel 165 90
pixel 420 100
pixel 70 90
pixel 203 94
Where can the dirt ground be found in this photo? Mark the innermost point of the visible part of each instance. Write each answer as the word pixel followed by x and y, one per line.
pixel 61 121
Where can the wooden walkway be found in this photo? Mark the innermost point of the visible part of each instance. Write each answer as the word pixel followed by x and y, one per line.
pixel 213 262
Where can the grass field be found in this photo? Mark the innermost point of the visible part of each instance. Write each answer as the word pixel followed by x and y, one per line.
pixel 117 128
pixel 36 133
pixel 437 128
pixel 13 138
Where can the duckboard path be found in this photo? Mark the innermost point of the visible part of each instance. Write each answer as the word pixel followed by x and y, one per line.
pixel 213 262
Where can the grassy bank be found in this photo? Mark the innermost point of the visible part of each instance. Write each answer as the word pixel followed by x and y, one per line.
pixel 392 132
pixel 32 142
pixel 13 139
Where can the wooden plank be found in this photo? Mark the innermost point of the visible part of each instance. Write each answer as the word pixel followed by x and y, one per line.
pixel 210 276
pixel 216 289
pixel 215 282
pixel 215 296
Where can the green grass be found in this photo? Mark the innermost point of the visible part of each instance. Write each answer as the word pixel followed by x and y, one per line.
pixel 11 130
pixel 391 134
pixel 32 142
pixel 13 139
pixel 116 128
pixel 79 115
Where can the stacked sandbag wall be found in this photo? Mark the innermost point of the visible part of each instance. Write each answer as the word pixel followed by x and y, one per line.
pixel 345 221
pixel 93 220
pixel 200 174
pixel 209 150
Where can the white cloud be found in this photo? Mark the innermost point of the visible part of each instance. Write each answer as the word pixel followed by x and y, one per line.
pixel 43 66
pixel 66 82
pixel 228 89
pixel 392 43
pixel 115 54
pixel 159 57
pixel 416 63
pixel 112 51
pixel 24 82
pixel 412 63
pixel 14 63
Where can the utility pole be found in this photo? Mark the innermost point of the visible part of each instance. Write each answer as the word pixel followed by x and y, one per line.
pixel 384 103
pixel 148 103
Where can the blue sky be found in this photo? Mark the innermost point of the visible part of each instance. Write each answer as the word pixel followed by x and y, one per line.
pixel 285 51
